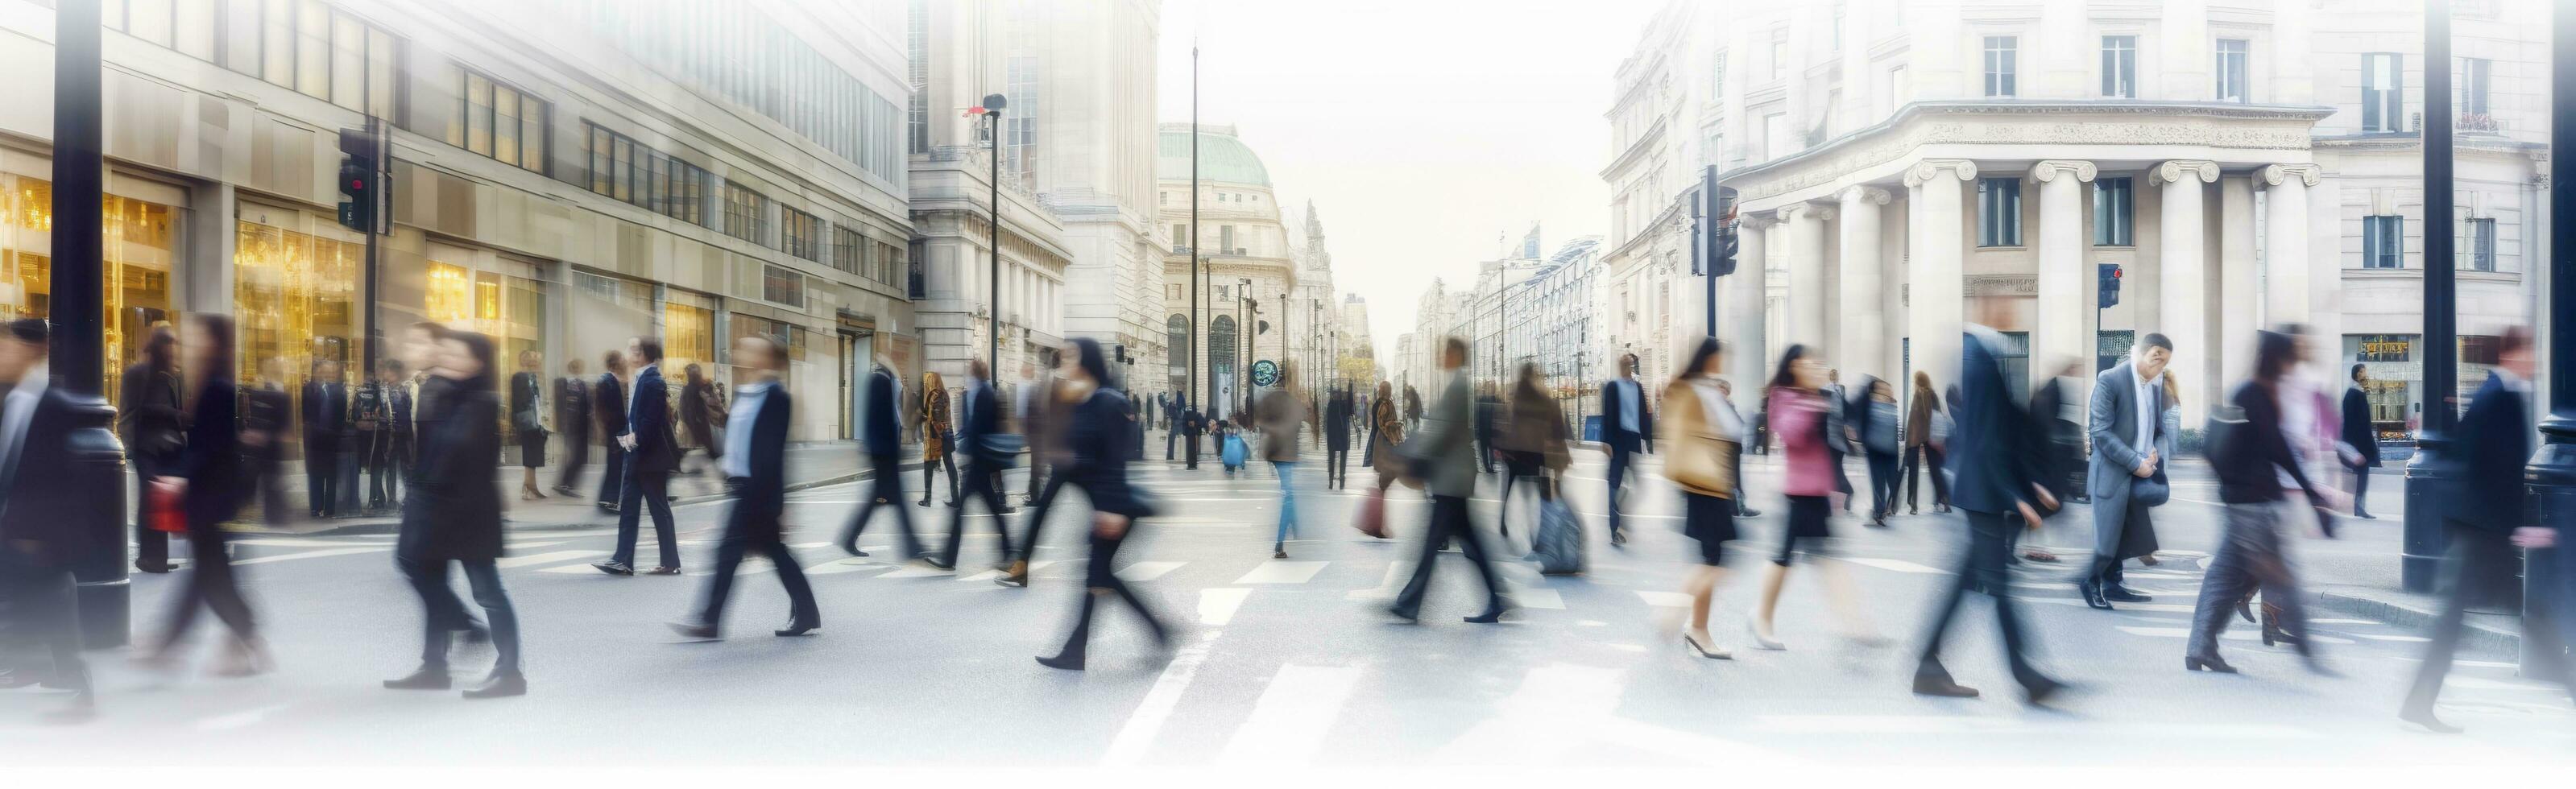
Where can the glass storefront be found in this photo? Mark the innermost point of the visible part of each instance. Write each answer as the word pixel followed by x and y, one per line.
pixel 511 310
pixel 688 337
pixel 141 244
pixel 295 292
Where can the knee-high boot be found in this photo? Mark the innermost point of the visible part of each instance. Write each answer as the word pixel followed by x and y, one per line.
pixel 1079 642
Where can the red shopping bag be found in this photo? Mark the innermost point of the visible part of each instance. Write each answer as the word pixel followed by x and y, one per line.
pixel 1372 519
pixel 161 509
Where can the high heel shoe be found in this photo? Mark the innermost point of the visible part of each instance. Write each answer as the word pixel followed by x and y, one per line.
pixel 1762 637
pixel 1705 650
pixel 2210 664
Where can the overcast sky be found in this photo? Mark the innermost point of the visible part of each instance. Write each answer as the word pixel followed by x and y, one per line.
pixel 1426 132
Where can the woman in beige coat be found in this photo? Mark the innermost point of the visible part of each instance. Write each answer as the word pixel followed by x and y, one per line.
pixel 1700 456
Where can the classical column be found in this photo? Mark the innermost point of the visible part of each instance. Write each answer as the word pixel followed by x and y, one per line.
pixel 2239 280
pixel 2183 270
pixel 1936 292
pixel 1807 273
pixel 1864 325
pixel 1749 297
pixel 2059 335
pixel 2287 267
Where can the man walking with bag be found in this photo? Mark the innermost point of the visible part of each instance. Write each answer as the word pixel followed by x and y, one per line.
pixel 2130 446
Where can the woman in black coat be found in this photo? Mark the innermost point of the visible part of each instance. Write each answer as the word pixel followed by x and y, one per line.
pixel 1095 441
pixel 207 474
pixel 150 421
pixel 454 515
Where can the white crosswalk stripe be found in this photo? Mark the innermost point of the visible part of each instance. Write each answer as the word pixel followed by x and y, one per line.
pixel 508 562
pixel 1288 725
pixel 1282 572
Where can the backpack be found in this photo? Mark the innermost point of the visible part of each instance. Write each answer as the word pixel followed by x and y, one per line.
pixel 1557 547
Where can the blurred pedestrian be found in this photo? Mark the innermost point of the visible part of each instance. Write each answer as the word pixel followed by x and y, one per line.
pixel 1842 434
pixel 148 417
pixel 454 515
pixel 1412 407
pixel 1171 426
pixel 1922 454
pixel 985 460
pixel 1803 413
pixel 1440 449
pixel 697 421
pixel 1533 445
pixel 2488 516
pixel 370 419
pixel 206 478
pixel 755 472
pixel 1280 417
pixel 1486 406
pixel 652 453
pixel 41 529
pixel 608 414
pixel 2057 435
pixel 1993 484
pixel 2362 436
pixel 528 421
pixel 1744 433
pixel 1192 424
pixel 936 433
pixel 268 415
pixel 1878 445
pixel 1700 455
pixel 1042 429
pixel 881 437
pixel 1386 434
pixel 1096 462
pixel 2249 453
pixel 2126 420
pixel 572 416
pixel 391 448
pixel 1337 440
pixel 1628 427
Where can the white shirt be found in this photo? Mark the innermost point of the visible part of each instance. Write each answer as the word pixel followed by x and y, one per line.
pixel 2150 411
pixel 1721 412
pixel 747 400
pixel 1627 403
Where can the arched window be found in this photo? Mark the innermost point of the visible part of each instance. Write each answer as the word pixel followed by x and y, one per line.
pixel 1176 355
pixel 1223 389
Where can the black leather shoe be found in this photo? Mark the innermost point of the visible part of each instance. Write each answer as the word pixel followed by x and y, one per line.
pixel 2039 692
pixel 701 631
pixel 499 686
pixel 1064 662
pixel 427 678
pixel 936 563
pixel 2209 663
pixel 1408 616
pixel 794 629
pixel 1490 616
pixel 2093 595
pixel 668 569
pixel 1943 687
pixel 2122 594
pixel 613 568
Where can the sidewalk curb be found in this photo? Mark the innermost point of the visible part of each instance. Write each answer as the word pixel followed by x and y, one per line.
pixel 381 525
pixel 2476 635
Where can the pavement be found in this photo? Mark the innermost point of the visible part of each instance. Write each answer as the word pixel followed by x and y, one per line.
pixel 1284 664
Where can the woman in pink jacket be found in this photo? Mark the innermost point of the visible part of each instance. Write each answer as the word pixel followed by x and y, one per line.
pixel 1797 408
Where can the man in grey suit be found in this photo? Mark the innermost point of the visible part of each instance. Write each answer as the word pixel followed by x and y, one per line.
pixel 1445 448
pixel 2130 447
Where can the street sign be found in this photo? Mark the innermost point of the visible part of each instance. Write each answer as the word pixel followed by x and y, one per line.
pixel 1265 373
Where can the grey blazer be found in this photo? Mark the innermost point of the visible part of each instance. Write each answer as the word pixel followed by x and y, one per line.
pixel 2112 422
pixel 1445 440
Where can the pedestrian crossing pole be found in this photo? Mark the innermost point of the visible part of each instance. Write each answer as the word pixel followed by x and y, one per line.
pixel 77 312
pixel 2549 580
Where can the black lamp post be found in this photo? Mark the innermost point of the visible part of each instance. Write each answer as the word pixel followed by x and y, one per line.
pixel 2552 473
pixel 104 597
pixel 993 104
pixel 2427 475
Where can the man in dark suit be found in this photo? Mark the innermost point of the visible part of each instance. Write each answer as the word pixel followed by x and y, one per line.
pixel 1995 488
pixel 2362 436
pixel 2130 447
pixel 572 414
pixel 41 517
pixel 1192 424
pixel 1628 426
pixel 608 409
pixel 755 469
pixel 326 417
pixel 979 423
pixel 267 416
pixel 371 418
pixel 2489 515
pixel 881 436
pixel 1337 439
pixel 651 455
pixel 1171 426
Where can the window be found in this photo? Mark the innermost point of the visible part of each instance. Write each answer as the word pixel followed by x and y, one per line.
pixel 683 194
pixel 2469 94
pixel 913 286
pixel 2231 70
pixel 2000 67
pixel 2382 242
pixel 1717 78
pixel 803 234
pixel 2383 100
pixel 2114 210
pixel 1900 90
pixel 846 249
pixel 500 122
pixel 1225 240
pixel 184 25
pixel 1180 238
pixel 2479 254
pixel 303 45
pixel 1838 27
pixel 1999 212
pixel 2119 67
pixel 781 285
pixel 1020 124
pixel 1779 54
pixel 1775 136
pixel 746 214
pixel 917 42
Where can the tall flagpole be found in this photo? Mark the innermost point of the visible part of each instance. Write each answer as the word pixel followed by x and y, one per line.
pixel 1194 227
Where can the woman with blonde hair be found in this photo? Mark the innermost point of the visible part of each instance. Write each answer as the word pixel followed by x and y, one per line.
pixel 1700 453
pixel 935 437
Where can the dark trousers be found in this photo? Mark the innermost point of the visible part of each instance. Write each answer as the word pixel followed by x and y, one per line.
pixel 322 476
pixel 948 460
pixel 650 489
pixel 885 489
pixel 576 455
pixel 1882 483
pixel 42 608
pixel 384 468
pixel 2361 489
pixel 1617 477
pixel 1170 436
pixel 210 584
pixel 1842 477
pixel 151 546
pixel 1449 521
pixel 2480 562
pixel 1981 567
pixel 1518 466
pixel 446 614
pixel 1101 581
pixel 2248 556
pixel 1337 466
pixel 1485 453
pixel 742 537
pixel 1924 458
pixel 980 482
pixel 1038 506
pixel 612 470
pixel 2106 554
pixel 1190 450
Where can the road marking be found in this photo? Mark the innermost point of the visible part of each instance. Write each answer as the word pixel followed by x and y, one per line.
pixel 1147 571
pixel 507 562
pixel 1289 723
pixel 1146 723
pixel 2344 622
pixel 1397 573
pixel 1526 597
pixel 2399 639
pixel 238 719
pixel 288 557
pixel 2232 635
pixel 915 571
pixel 849 565
pixel 1217 606
pixel 1281 572
pixel 1898 565
pixel 571 569
pixel 1530 725
pixel 1665 599
pixel 302 542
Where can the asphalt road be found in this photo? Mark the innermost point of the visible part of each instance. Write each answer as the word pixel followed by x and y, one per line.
pixel 1287 663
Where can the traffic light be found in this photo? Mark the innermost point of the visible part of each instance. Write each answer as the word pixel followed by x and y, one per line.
pixel 1716 253
pixel 2110 275
pixel 358 181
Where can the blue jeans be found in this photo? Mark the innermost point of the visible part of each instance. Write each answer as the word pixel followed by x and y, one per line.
pixel 1287 497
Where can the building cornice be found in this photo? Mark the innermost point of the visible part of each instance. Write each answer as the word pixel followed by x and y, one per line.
pixel 1637 149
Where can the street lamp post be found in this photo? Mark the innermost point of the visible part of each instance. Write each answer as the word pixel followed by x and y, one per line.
pixel 2428 473
pixel 993 104
pixel 2548 572
pixel 104 598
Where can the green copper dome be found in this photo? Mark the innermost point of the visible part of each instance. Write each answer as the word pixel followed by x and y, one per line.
pixel 1223 158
